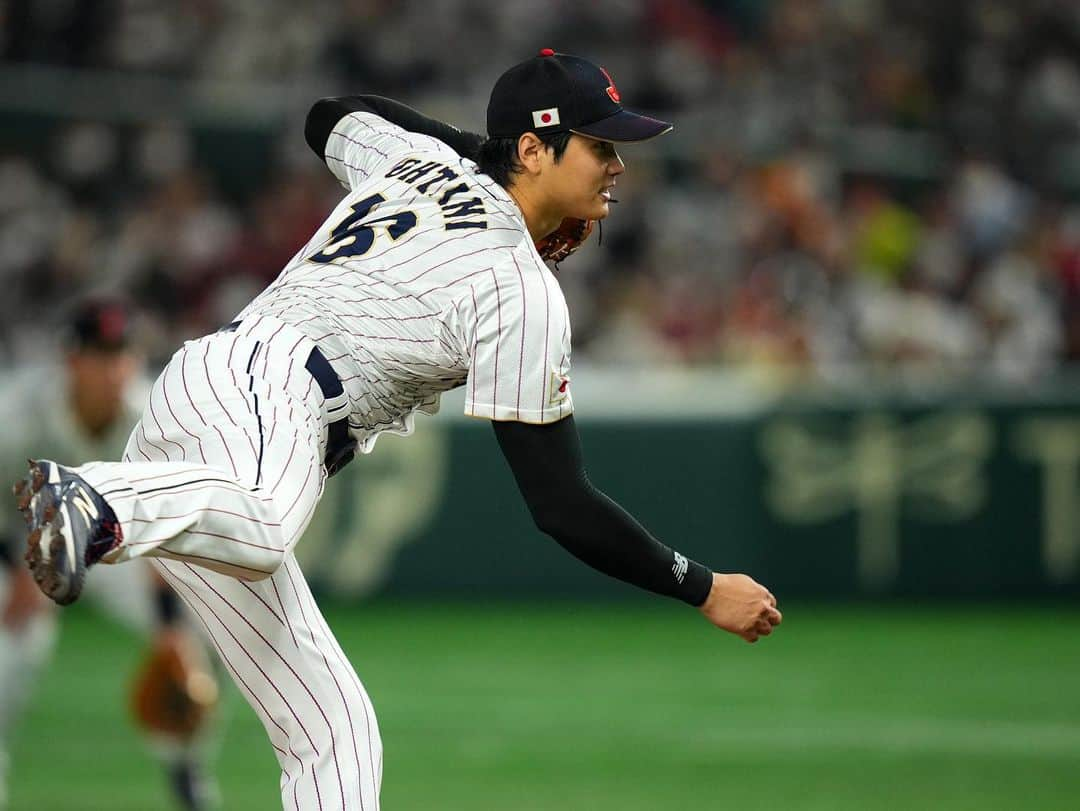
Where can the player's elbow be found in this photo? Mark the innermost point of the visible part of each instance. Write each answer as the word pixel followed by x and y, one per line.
pixel 551 517
pixel 547 524
pixel 562 504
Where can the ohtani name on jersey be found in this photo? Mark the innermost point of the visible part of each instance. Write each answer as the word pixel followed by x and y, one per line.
pixel 433 179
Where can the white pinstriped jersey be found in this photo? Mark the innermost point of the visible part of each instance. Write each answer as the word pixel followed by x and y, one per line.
pixel 425 278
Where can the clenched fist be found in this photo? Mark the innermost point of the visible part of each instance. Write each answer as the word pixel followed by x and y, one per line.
pixel 741 605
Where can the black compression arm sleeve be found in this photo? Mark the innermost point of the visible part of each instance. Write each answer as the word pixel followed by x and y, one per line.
pixel 547 463
pixel 325 114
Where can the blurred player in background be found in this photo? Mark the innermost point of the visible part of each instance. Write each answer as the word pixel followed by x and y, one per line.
pixel 92 420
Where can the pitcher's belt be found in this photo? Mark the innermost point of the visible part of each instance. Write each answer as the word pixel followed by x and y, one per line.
pixel 340 446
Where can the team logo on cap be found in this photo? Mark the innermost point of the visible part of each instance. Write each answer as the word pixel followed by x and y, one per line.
pixel 546 118
pixel 612 91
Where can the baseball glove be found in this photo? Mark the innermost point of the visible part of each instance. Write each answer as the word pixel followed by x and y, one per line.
pixel 174 691
pixel 565 239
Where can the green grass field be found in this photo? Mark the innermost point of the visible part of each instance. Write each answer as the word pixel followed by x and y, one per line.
pixel 631 707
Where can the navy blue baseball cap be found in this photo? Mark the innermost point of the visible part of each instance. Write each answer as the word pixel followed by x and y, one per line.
pixel 556 92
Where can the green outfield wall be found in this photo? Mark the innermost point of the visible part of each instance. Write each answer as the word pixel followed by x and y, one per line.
pixel 879 499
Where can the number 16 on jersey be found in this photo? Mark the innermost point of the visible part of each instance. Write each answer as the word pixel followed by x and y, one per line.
pixel 354 235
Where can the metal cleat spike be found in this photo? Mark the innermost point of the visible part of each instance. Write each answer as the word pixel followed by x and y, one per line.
pixel 37 477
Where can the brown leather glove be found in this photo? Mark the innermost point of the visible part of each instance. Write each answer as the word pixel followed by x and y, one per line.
pixel 565 239
pixel 174 690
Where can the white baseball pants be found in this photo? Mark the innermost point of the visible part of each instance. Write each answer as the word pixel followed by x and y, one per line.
pixel 220 478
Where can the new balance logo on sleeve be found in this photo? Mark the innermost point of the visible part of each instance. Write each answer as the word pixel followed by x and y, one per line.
pixel 679 567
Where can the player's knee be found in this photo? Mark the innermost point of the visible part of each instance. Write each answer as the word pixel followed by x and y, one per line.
pixel 352 732
pixel 264 563
pixel 357 725
pixel 268 556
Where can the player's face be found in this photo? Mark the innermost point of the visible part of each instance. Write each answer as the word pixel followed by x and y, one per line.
pixel 99 380
pixel 582 183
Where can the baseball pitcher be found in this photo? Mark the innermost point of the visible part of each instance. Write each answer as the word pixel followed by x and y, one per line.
pixel 424 278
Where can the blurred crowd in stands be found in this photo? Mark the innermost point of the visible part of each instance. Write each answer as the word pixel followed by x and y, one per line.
pixel 890 185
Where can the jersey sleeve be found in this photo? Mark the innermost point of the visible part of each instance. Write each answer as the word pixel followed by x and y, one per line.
pixel 363 143
pixel 519 367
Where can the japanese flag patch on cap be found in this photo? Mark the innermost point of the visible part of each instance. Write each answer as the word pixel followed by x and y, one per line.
pixel 546 118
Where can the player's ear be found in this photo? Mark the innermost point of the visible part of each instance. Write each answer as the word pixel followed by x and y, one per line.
pixel 530 150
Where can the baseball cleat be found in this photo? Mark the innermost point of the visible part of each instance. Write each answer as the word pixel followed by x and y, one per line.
pixel 70 528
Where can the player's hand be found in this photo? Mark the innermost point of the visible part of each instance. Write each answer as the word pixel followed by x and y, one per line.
pixel 24 599
pixel 741 605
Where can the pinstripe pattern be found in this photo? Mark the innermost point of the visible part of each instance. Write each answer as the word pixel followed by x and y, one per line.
pixel 289 667
pixel 435 308
pixel 426 280
pixel 217 504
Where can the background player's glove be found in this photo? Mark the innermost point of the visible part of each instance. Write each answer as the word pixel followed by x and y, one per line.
pixel 565 239
pixel 174 691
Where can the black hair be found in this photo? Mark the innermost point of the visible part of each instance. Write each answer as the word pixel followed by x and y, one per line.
pixel 498 156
